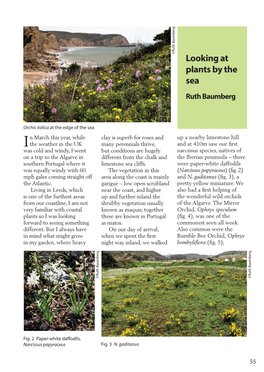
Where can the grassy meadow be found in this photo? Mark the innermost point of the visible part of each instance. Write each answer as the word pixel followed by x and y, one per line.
pixel 135 88
pixel 207 300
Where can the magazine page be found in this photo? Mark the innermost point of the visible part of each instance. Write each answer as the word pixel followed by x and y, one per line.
pixel 132 187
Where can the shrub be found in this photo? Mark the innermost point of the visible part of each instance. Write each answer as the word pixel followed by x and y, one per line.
pixel 73 68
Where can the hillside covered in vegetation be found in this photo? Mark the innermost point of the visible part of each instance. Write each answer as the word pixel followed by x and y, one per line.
pixel 135 88
pixel 129 259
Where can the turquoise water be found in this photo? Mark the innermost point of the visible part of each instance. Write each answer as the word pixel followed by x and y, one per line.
pixel 93 56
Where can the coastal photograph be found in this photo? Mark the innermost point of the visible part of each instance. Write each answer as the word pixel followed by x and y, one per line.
pixel 59 291
pixel 80 75
pixel 147 293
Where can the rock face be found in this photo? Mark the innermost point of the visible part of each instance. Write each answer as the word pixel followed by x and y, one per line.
pixel 37 42
pixel 75 41
pixel 36 45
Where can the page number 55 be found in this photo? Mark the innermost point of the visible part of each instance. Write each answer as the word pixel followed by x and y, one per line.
pixel 252 361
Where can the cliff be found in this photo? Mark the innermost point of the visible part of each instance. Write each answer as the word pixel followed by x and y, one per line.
pixel 37 42
pixel 69 39
pixel 36 45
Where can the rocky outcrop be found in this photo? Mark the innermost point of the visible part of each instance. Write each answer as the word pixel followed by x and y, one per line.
pixel 36 46
pixel 37 42
pixel 115 41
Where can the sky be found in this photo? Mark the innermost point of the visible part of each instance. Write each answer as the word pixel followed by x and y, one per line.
pixel 142 34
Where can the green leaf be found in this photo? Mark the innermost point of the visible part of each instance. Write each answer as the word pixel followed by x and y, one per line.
pixel 65 301
pixel 73 294
pixel 52 316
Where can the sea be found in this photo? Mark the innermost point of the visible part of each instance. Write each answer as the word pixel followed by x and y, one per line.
pixel 93 56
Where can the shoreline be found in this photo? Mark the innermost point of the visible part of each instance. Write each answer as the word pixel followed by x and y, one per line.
pixel 38 77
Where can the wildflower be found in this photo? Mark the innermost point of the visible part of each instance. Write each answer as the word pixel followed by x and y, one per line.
pixel 80 100
pixel 159 78
pixel 110 84
pixel 54 110
pixel 117 117
pixel 33 279
pixel 138 74
pixel 157 71
pixel 109 80
pixel 41 101
pixel 84 85
pixel 97 82
pixel 166 67
pixel 98 89
pixel 38 302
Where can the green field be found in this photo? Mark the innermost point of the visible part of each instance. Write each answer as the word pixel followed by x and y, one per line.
pixel 178 301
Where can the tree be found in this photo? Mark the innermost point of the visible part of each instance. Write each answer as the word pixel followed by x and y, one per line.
pixel 164 37
pixel 108 260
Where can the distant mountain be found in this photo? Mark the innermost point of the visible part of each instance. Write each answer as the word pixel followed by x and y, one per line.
pixel 187 256
pixel 137 255
pixel 231 253
pixel 194 256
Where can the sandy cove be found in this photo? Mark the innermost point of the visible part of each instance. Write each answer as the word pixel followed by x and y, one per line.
pixel 37 77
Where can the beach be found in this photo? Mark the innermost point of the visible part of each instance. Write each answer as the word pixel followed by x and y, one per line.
pixel 37 77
